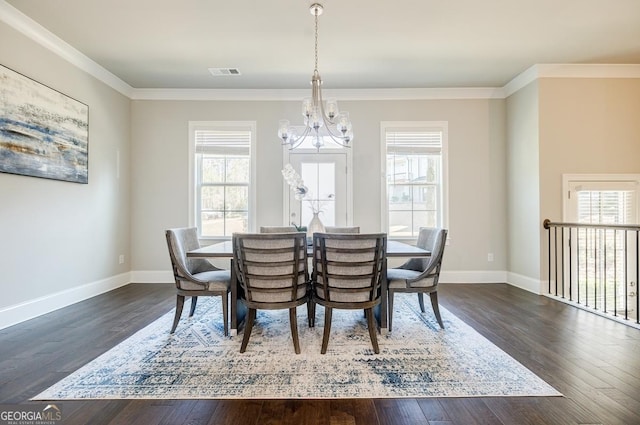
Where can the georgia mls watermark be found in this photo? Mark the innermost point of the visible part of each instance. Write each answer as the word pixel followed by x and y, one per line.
pixel 30 414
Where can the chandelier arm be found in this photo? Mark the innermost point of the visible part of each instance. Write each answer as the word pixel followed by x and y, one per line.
pixel 297 141
pixel 324 115
pixel 337 139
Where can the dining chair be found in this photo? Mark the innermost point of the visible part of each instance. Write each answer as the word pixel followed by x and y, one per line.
pixel 420 275
pixel 273 274
pixel 195 277
pixel 334 229
pixel 347 274
pixel 277 229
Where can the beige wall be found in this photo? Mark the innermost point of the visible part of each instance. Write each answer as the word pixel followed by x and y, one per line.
pixel 587 126
pixel 559 126
pixel 58 236
pixel 523 192
pixel 476 170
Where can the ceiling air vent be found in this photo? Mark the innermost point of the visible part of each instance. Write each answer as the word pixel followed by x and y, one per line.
pixel 223 72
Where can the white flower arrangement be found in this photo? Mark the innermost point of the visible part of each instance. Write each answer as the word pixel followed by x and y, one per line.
pixel 301 191
pixel 295 182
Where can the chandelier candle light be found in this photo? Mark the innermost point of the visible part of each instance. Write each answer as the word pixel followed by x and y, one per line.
pixel 318 115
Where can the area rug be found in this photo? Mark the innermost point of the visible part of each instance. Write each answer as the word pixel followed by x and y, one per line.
pixel 417 359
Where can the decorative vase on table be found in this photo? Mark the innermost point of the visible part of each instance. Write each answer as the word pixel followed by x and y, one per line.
pixel 315 225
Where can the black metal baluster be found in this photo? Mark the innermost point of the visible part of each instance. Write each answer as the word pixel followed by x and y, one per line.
pixel 570 266
pixel 637 278
pixel 615 272
pixel 626 276
pixel 578 263
pixel 555 250
pixel 604 270
pixel 549 255
pixel 562 258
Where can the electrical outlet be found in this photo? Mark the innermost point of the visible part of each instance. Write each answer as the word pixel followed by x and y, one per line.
pixel 121 259
pixel 490 257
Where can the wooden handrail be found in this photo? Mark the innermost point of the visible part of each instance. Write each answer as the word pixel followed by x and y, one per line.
pixel 548 224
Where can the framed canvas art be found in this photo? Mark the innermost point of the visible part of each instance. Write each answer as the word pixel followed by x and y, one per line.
pixel 43 133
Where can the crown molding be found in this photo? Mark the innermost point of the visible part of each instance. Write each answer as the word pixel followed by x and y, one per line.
pixel 343 94
pixel 30 28
pixel 27 26
pixel 566 70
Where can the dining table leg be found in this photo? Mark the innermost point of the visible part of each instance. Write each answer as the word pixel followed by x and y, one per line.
pixel 238 309
pixel 381 310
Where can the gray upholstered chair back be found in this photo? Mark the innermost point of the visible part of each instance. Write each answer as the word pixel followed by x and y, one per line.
pixel 272 268
pixel 277 229
pixel 431 239
pixel 195 276
pixel 334 229
pixel 348 267
pixel 180 241
pixel 434 241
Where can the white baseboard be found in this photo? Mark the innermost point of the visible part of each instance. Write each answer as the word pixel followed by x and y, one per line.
pixel 152 276
pixel 474 276
pixel 29 309
pixel 525 282
pixel 21 312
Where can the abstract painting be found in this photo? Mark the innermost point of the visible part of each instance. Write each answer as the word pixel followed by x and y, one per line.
pixel 43 133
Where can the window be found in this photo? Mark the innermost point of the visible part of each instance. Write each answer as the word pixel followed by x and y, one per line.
pixel 601 199
pixel 222 170
pixel 602 260
pixel 415 176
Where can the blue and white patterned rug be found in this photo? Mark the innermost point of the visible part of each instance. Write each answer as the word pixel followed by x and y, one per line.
pixel 417 359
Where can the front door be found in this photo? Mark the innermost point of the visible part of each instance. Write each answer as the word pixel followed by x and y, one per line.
pixel 325 175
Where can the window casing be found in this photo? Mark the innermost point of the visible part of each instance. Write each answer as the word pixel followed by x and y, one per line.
pixel 222 170
pixel 602 260
pixel 415 177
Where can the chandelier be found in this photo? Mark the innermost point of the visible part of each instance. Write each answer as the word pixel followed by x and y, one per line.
pixel 321 119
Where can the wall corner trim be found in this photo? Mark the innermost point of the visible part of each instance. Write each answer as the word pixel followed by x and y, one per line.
pixel 525 282
pixel 30 28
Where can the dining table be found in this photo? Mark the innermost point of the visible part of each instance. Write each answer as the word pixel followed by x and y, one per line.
pixel 224 250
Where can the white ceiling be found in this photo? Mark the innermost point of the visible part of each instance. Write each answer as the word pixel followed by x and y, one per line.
pixel 362 45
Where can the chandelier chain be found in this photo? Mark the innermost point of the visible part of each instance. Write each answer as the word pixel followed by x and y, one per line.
pixel 316 41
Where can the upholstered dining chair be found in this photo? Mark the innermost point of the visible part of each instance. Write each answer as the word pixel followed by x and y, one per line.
pixel 277 229
pixel 195 276
pixel 347 274
pixel 420 275
pixel 273 274
pixel 334 229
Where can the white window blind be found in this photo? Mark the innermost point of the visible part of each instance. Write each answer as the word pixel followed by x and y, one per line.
pixel 403 142
pixel 223 142
pixel 606 202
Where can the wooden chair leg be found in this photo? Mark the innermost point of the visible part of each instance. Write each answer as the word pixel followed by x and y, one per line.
pixel 293 322
pixel 194 300
pixel 311 313
pixel 176 319
pixel 225 312
pixel 251 316
pixel 436 308
pixel 421 301
pixel 327 329
pixel 372 330
pixel 390 309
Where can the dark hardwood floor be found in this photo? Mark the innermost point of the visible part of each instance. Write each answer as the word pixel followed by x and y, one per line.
pixel 593 361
